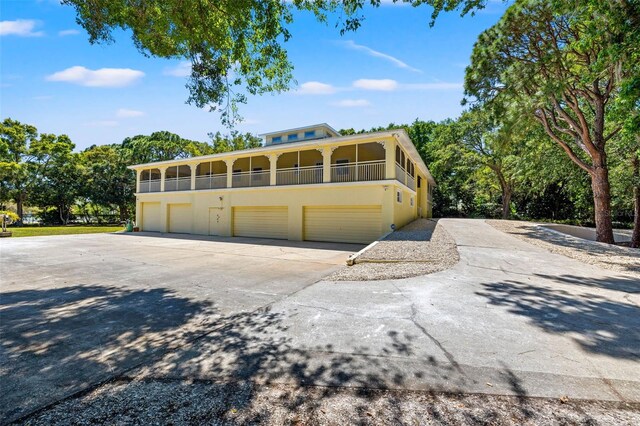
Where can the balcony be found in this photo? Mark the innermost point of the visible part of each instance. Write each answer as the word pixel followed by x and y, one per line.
pixel 358 172
pixel 150 185
pixel 212 181
pixel 299 175
pixel 248 179
pixel 348 163
pixel 177 184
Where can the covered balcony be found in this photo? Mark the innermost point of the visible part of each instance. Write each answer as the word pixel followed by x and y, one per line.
pixel 360 162
pixel 150 180
pixel 211 175
pixel 299 168
pixel 251 171
pixel 357 162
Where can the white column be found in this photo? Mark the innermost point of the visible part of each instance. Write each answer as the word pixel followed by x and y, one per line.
pixel 163 171
pixel 194 167
pixel 326 164
pixel 390 159
pixel 138 173
pixel 229 172
pixel 273 167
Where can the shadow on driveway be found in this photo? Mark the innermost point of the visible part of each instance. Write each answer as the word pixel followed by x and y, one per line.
pixel 599 324
pixel 58 341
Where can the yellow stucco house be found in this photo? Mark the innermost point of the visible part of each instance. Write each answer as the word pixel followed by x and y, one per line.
pixel 308 183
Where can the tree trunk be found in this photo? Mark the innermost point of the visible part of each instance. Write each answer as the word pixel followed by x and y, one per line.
pixel 124 214
pixel 20 207
pixel 602 200
pixel 506 202
pixel 635 238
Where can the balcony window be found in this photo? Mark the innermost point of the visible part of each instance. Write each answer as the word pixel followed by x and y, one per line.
pixel 276 139
pixel 310 134
pixel 292 137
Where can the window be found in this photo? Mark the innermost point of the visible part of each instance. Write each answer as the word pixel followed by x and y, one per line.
pixel 276 139
pixel 411 201
pixel 236 171
pixel 419 181
pixel 399 196
pixel 257 169
pixel 310 134
pixel 292 137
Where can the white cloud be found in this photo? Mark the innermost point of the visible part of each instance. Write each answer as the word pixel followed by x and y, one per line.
pixel 351 103
pixel 350 44
pixel 102 123
pixel 64 33
pixel 384 84
pixel 103 77
pixel 315 88
pixel 433 86
pixel 20 27
pixel 128 113
pixel 183 69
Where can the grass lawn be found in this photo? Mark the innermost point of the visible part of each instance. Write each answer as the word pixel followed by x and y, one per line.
pixel 61 230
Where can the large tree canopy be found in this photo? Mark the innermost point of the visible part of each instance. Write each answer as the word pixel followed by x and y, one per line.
pixel 235 47
pixel 563 62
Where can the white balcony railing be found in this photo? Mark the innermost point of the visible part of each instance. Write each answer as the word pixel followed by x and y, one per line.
pixel 150 185
pixel 246 179
pixel 177 184
pixel 355 172
pixel 411 182
pixel 299 175
pixel 211 181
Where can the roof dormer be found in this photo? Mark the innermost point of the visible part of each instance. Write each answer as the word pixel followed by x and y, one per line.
pixel 299 134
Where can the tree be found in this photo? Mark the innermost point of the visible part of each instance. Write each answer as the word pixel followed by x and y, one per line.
pixel 563 62
pixel 162 146
pixel 55 173
pixel 15 140
pixel 234 141
pixel 107 181
pixel 491 145
pixel 235 48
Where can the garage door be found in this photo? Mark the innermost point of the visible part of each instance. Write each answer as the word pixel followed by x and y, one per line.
pixel 346 224
pixel 151 217
pixel 180 219
pixel 262 222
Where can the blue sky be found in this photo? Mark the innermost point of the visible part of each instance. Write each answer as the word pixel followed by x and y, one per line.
pixel 395 68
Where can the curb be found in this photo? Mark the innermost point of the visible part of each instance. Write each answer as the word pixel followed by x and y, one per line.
pixel 352 259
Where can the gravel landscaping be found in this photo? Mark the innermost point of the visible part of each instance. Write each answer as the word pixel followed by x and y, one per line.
pixel 607 256
pixel 419 248
pixel 179 402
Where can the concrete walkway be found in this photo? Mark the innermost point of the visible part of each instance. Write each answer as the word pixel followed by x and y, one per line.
pixel 509 318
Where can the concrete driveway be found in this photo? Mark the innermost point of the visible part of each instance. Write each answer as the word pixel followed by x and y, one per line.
pixel 509 318
pixel 76 310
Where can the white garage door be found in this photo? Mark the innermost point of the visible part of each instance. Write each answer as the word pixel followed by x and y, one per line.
pixel 261 222
pixel 345 224
pixel 180 219
pixel 151 217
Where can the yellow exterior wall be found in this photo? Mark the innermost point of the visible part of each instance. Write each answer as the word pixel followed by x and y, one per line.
pixel 294 197
pixel 404 212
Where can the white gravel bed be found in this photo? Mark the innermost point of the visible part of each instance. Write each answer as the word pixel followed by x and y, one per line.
pixel 182 402
pixel 421 247
pixel 607 256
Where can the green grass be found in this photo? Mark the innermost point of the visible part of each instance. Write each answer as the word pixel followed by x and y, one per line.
pixel 38 231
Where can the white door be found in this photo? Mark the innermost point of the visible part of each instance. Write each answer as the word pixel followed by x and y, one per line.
pixel 261 222
pixel 344 224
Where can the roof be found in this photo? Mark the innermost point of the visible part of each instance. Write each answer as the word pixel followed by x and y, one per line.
pixel 401 136
pixel 298 129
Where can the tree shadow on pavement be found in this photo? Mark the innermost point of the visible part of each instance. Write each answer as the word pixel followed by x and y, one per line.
pixel 56 342
pixel 599 324
pixel 172 363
